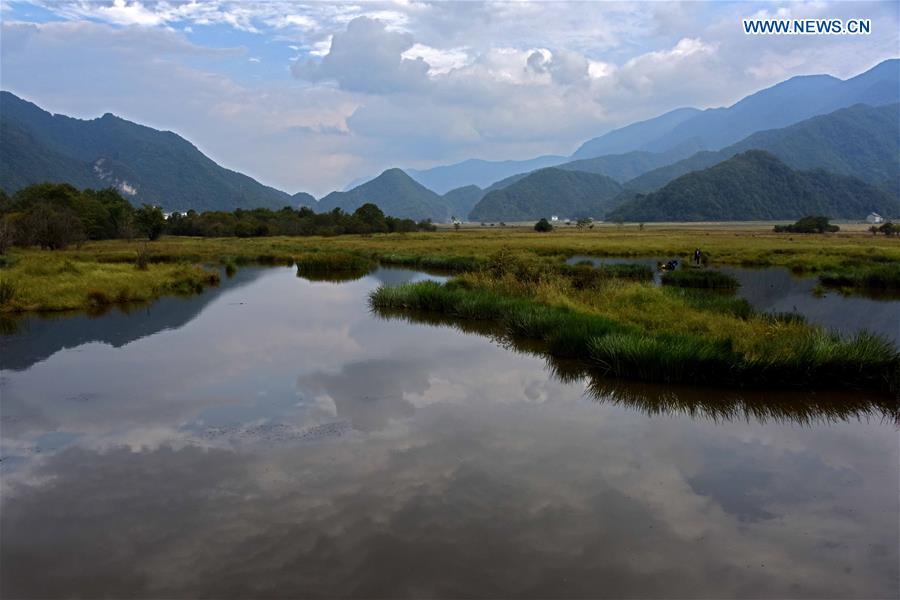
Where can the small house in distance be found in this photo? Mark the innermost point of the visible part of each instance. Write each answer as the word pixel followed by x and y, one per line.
pixel 874 219
pixel 554 219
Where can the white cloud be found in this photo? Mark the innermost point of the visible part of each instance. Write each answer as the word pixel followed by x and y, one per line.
pixel 367 57
pixel 439 61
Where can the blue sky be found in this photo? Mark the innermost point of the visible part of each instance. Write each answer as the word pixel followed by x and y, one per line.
pixel 307 97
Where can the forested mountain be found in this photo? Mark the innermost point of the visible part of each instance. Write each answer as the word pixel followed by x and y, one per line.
pixel 547 192
pixel 462 200
pixel 756 185
pixel 863 141
pixel 396 193
pixel 146 165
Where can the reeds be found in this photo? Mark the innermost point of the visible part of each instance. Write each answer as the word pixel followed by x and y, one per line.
pixel 700 278
pixel 334 267
pixel 817 359
pixel 878 277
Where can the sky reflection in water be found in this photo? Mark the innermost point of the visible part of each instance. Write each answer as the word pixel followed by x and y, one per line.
pixel 273 438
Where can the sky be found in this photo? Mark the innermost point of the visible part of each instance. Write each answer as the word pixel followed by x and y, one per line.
pixel 310 96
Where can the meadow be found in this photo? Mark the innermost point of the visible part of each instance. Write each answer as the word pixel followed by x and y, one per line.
pixel 45 280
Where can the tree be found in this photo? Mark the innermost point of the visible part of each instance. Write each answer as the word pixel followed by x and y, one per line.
pixel 52 227
pixel 372 217
pixel 543 226
pixel 889 229
pixel 150 221
pixel 7 233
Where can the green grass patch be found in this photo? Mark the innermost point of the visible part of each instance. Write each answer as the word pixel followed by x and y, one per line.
pixel 877 277
pixel 700 278
pixel 333 266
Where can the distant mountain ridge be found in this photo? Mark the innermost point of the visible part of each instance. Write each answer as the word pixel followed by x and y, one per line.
pixel 781 105
pixel 636 136
pixel 756 185
pixel 778 106
pixel 478 172
pixel 862 141
pixel 146 165
pixel 548 192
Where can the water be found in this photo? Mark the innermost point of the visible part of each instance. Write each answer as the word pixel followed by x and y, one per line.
pixel 777 290
pixel 274 438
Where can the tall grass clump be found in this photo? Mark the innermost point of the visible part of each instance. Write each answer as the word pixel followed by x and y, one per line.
pixel 823 359
pixel 584 276
pixel 7 291
pixel 142 258
pixel 454 264
pixel 669 358
pixel 333 266
pixel 700 278
pixel 878 277
pixel 714 302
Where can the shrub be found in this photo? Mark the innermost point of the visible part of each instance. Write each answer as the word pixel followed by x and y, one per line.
pixel 150 221
pixel 543 226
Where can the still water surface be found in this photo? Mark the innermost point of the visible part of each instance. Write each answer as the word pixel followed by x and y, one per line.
pixel 272 438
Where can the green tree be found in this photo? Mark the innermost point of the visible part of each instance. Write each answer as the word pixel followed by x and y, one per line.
pixel 51 226
pixel 372 217
pixel 150 221
pixel 543 226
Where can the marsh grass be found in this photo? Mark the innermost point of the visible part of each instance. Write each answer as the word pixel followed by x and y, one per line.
pixel 43 283
pixel 878 277
pixel 333 266
pixel 51 281
pixel 808 358
pixel 714 301
pixel 700 278
pixel 7 291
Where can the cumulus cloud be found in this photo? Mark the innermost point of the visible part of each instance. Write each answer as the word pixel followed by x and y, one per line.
pixel 367 58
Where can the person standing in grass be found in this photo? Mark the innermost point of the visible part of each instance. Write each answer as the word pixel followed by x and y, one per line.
pixel 697 256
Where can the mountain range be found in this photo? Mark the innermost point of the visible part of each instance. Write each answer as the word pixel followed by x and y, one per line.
pixel 781 105
pixel 848 128
pixel 146 165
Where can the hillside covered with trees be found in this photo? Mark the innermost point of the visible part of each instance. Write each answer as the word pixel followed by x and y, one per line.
pixel 551 191
pixel 756 185
pixel 146 165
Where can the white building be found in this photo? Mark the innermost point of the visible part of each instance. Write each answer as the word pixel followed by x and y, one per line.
pixel 554 219
pixel 874 219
